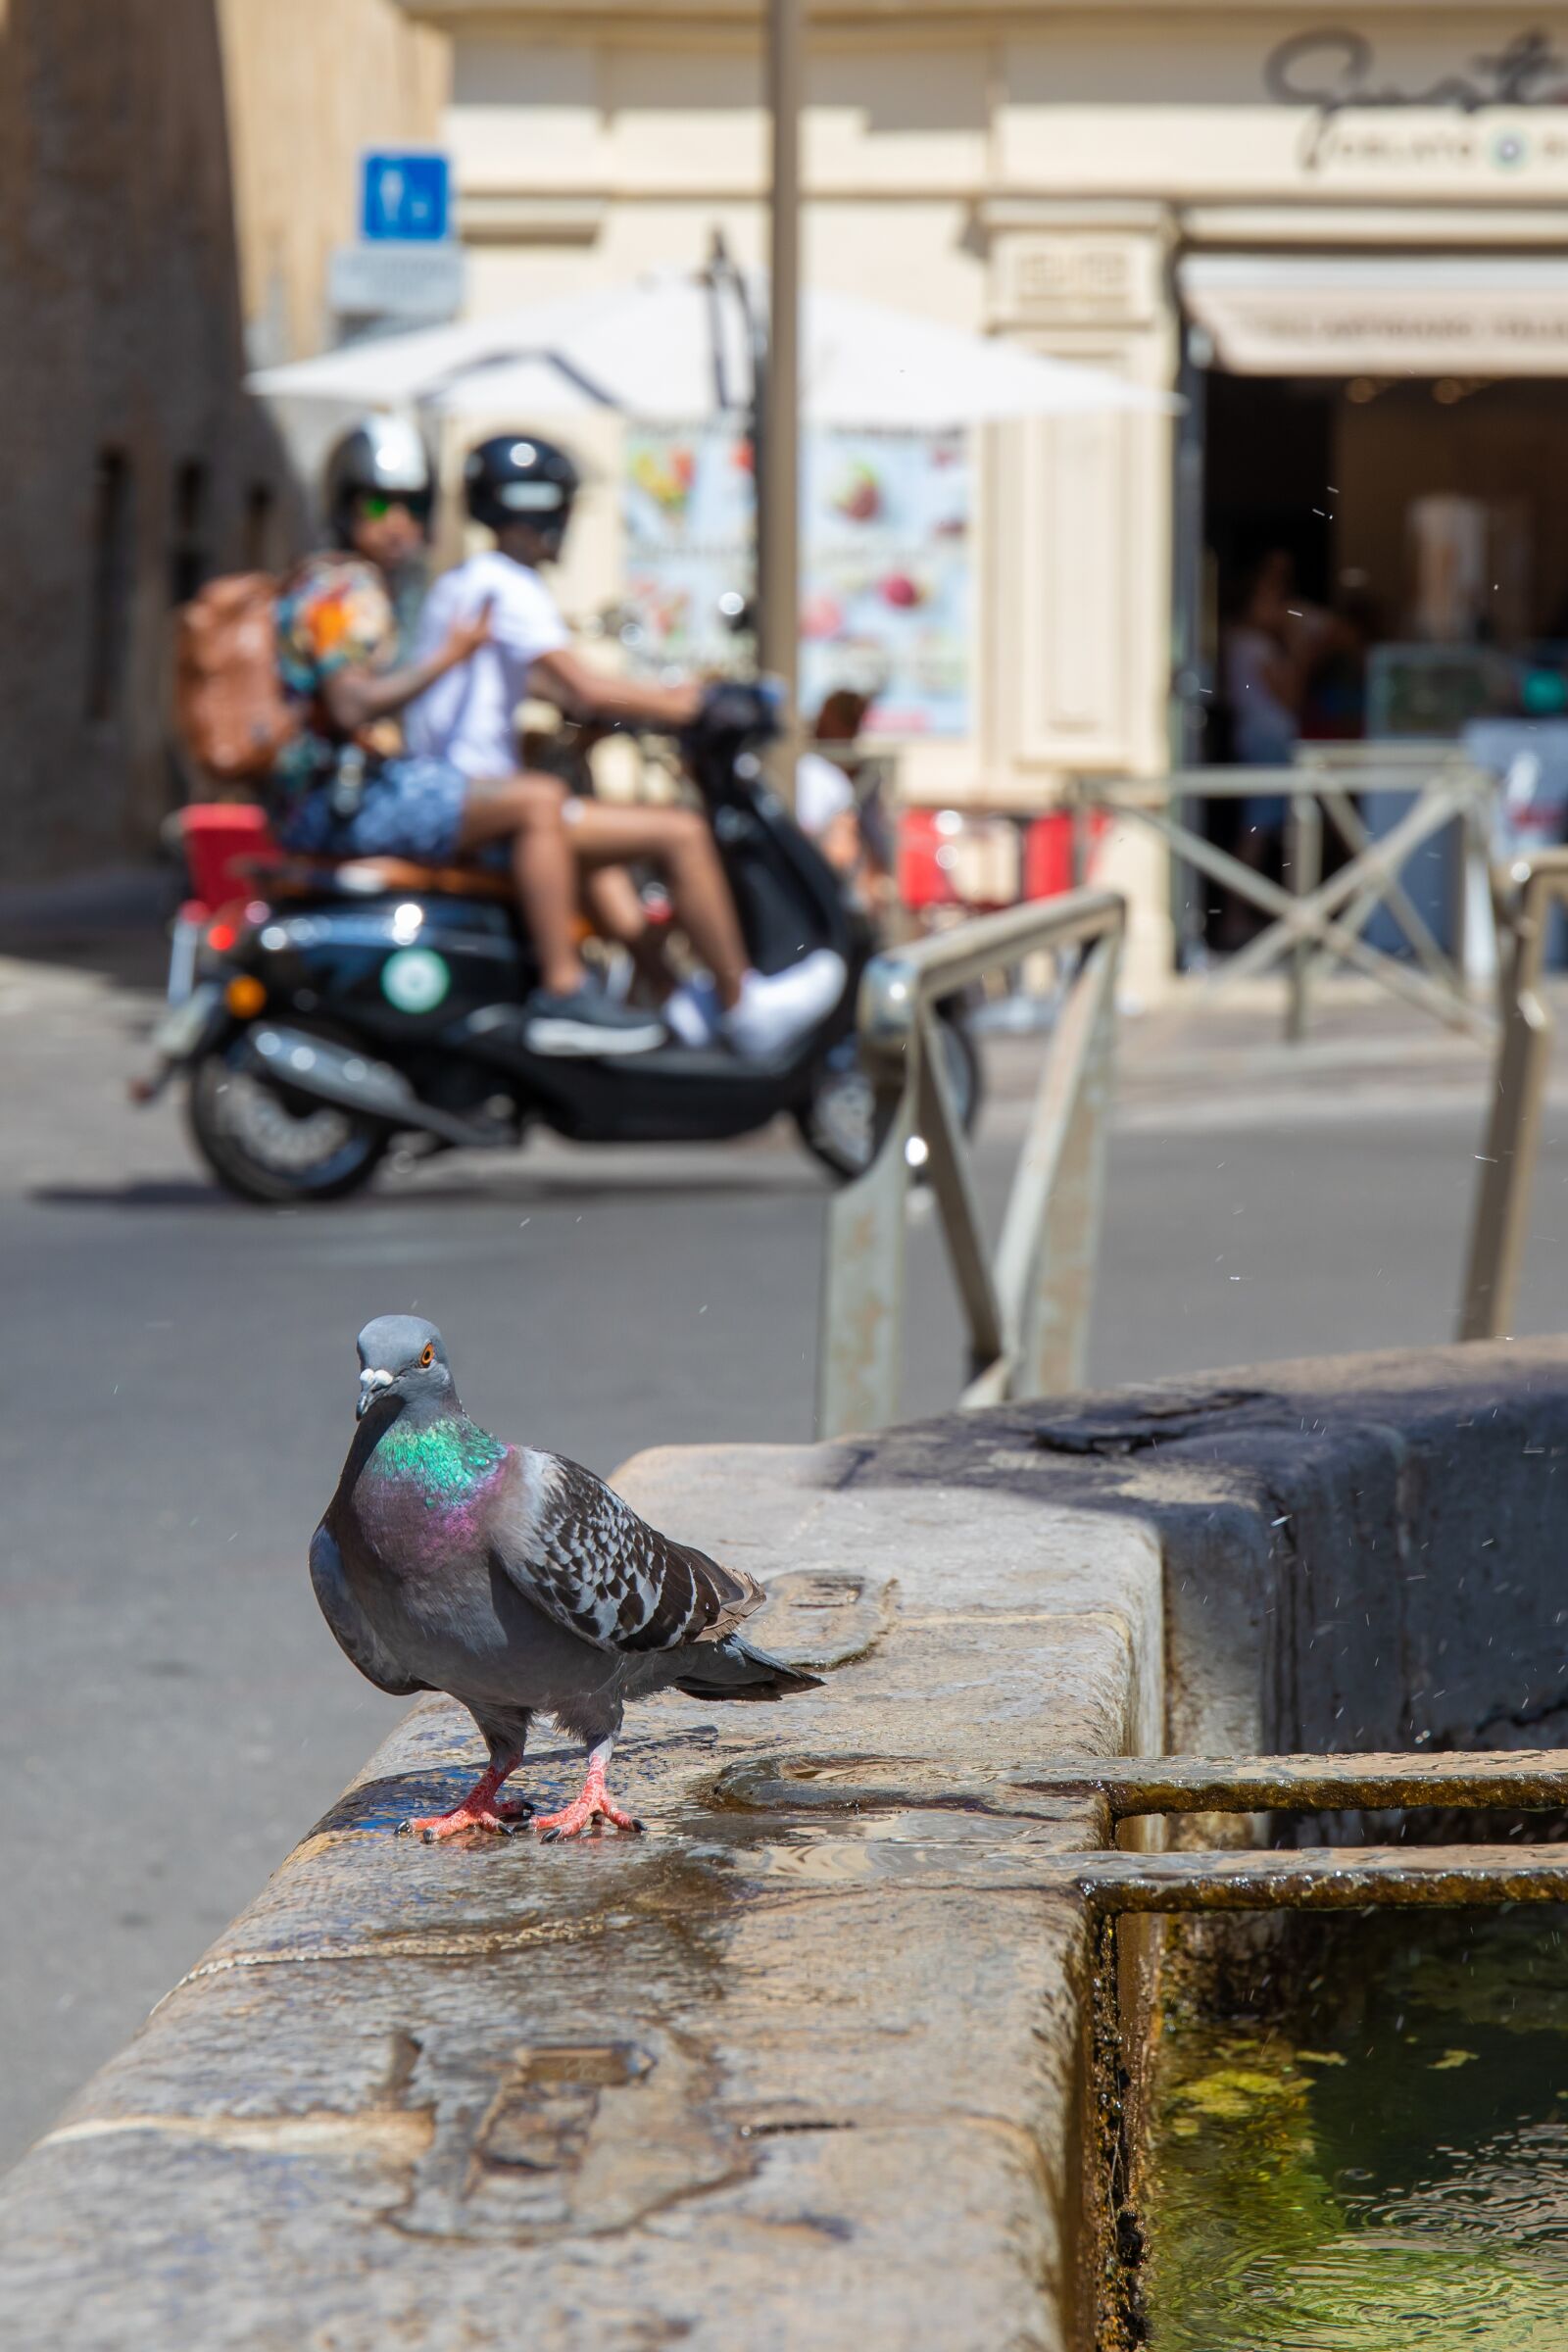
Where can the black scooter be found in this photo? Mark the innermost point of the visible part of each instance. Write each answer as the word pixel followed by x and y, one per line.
pixel 354 1010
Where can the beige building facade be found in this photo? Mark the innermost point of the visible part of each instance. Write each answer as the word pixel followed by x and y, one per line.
pixel 309 84
pixel 172 175
pixel 1258 190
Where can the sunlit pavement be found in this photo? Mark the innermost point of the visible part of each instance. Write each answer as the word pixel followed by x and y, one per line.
pixel 174 1714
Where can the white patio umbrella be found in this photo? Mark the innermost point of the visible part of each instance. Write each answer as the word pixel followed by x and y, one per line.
pixel 662 348
pixel 519 388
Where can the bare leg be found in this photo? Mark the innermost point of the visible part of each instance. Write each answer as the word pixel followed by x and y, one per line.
pixel 526 812
pixel 478 1810
pixel 591 1806
pixel 617 914
pixel 678 842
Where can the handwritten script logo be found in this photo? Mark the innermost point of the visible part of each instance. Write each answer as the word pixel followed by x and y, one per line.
pixel 1334 68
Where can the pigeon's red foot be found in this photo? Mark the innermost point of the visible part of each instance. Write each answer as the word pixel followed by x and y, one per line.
pixel 477 1811
pixel 434 1827
pixel 584 1813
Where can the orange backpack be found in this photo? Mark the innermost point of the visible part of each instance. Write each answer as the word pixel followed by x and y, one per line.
pixel 230 708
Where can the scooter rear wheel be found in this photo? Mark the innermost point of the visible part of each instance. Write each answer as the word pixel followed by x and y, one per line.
pixel 267 1143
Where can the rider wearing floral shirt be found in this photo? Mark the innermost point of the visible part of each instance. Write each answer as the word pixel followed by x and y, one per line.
pixel 333 613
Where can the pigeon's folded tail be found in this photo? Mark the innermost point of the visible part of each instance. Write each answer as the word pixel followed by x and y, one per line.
pixel 732 1669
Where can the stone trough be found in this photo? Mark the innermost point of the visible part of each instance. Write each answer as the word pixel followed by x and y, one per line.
pixel 813 2064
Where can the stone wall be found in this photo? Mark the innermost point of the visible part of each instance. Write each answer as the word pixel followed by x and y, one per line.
pixel 135 464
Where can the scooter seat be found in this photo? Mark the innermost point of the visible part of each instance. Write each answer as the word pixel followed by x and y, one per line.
pixel 375 877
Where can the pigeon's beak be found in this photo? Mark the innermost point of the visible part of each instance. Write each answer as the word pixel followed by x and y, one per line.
pixel 371 1385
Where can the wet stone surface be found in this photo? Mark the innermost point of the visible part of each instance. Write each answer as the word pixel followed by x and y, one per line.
pixel 797 2067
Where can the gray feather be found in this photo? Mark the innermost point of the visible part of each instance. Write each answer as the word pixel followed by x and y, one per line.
pixel 585 1557
pixel 352 1629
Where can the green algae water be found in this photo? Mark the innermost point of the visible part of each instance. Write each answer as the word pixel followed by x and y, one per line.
pixel 1380 2162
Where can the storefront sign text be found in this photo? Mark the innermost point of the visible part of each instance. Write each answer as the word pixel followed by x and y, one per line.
pixel 1334 71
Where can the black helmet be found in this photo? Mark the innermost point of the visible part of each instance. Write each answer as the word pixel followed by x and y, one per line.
pixel 515 477
pixel 383 456
pixel 740 711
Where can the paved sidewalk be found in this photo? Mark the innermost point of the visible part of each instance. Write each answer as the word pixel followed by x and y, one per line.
pixel 1211 1058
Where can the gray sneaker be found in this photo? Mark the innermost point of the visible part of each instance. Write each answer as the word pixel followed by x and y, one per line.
pixel 588 1027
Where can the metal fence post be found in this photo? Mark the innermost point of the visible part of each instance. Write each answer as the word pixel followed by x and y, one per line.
pixel 861 1323
pixel 1303 837
pixel 1513 1129
pixel 951 1180
pixel 1027 1306
pixel 1052 1348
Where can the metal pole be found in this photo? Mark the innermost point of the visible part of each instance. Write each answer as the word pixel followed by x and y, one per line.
pixel 1304 835
pixel 1502 1216
pixel 778 481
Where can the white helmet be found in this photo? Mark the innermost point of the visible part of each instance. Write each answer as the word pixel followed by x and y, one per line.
pixel 382 454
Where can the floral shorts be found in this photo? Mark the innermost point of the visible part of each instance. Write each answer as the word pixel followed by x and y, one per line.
pixel 409 807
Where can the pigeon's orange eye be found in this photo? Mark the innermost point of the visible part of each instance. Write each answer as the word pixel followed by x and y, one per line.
pixel 428 1357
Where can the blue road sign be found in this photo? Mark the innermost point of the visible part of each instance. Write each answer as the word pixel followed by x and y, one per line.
pixel 404 198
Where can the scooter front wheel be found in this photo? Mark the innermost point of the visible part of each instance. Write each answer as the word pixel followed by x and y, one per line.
pixel 267 1143
pixel 837 1124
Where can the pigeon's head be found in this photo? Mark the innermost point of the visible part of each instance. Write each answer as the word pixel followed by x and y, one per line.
pixel 406 1357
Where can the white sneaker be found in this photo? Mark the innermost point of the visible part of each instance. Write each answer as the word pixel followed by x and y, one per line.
pixel 775 1012
pixel 692 1011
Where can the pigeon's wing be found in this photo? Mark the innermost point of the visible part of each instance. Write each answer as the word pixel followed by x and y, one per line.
pixel 582 1555
pixel 355 1635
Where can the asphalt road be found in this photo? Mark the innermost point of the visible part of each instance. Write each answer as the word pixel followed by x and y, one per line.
pixel 179 1381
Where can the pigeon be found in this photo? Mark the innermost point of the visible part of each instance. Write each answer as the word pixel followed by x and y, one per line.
pixel 517 1582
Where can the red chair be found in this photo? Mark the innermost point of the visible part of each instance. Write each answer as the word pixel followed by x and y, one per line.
pixel 1048 852
pixel 951 858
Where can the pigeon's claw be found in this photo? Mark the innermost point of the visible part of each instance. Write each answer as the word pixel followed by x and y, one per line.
pixel 586 1811
pixel 504 1819
pixel 480 1809
pixel 583 1814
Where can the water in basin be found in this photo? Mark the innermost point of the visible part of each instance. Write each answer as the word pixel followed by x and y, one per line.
pixel 1378 2161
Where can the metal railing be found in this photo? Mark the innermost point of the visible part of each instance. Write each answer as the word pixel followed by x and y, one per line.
pixel 1524 894
pixel 1027 1306
pixel 1314 919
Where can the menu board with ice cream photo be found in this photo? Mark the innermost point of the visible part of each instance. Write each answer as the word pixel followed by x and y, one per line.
pixel 885 606
pixel 885 563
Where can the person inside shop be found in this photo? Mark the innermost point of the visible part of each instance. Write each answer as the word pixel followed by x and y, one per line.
pixel 349 785
pixel 829 807
pixel 1271 650
pixel 522 489
pixel 1334 708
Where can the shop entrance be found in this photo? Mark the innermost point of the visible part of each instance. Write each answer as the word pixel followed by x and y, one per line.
pixel 1428 518
pixel 1382 558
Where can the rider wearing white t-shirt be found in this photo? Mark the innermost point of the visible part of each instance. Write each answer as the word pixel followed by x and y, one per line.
pixel 521 489
pixel 467 717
